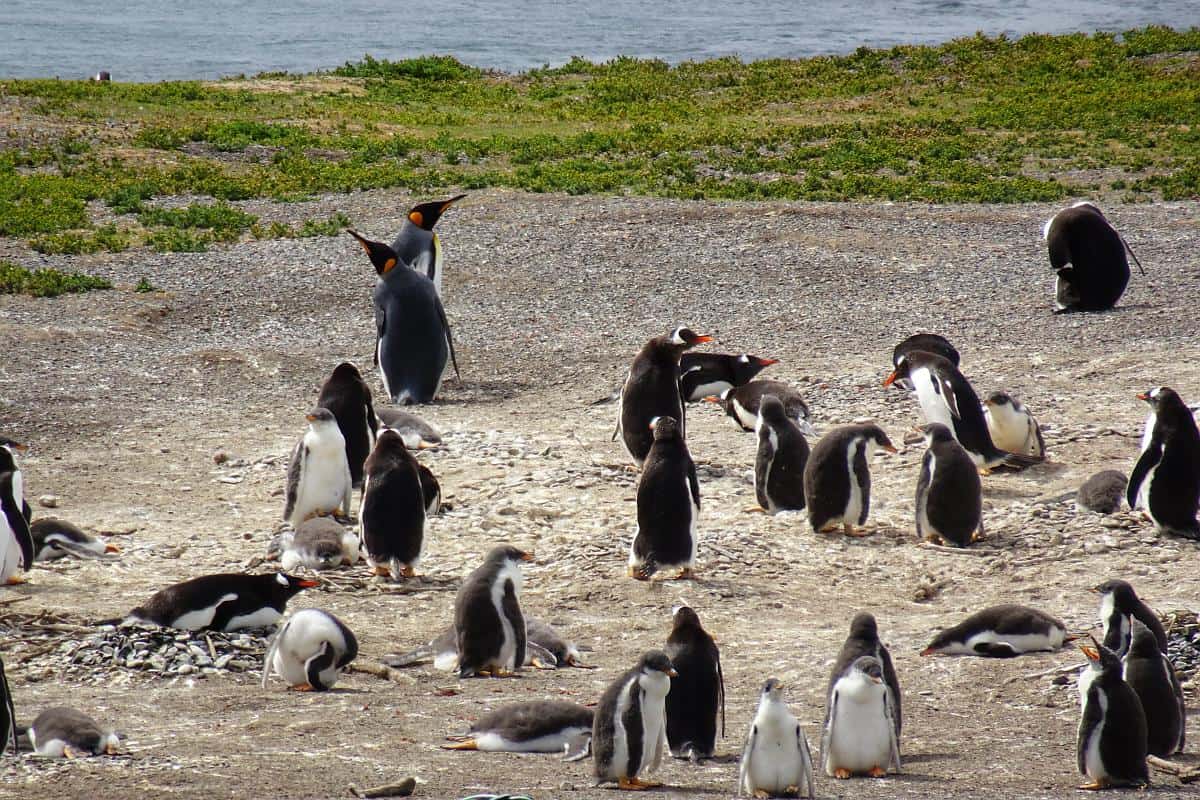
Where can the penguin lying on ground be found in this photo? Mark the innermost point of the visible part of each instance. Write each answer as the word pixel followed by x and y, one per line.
pixel 392 515
pixel 1152 677
pixel 1088 255
pixel 837 480
pixel 417 245
pixel 319 544
pixel 1169 467
pixel 860 725
pixel 67 733
pixel 863 640
pixel 310 651
pixel 318 481
pixel 16 541
pixel 698 691
pixel 1111 748
pixel 346 395
pixel 1011 426
pixel 1103 492
pixel 544 647
pixel 630 733
pixel 668 504
pixel 538 726
pixel 742 404
pixel 1002 631
pixel 416 432
pixel 949 501
pixel 706 374
pixel 779 461
pixel 222 602
pixel 488 621
pixel 776 761
pixel 56 538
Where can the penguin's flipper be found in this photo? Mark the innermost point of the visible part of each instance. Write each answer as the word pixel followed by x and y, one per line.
pixel 579 748
pixel 411 658
pixel 620 404
pixel 1129 250
pixel 1146 461
pixel 1093 715
pixel 721 684
pixel 17 522
pixel 539 657
pixel 295 467
pixel 889 711
pixel 806 761
pixel 827 730
pixel 380 327
pixel 317 664
pixel 693 484
pixel 948 395
pixel 611 397
pixel 8 715
pixel 269 658
pixel 996 650
pixel 449 339
pixel 744 768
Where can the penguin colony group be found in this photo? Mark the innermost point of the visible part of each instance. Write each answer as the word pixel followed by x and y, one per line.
pixel 672 700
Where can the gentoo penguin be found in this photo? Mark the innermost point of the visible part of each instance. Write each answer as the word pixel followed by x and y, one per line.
pixel 837 481
pixel 776 761
pixel 320 544
pixel 1112 741
pixel 949 503
pixel 651 389
pixel 310 651
pixel 929 343
pixel 537 726
pixel 416 432
pixel 1118 603
pixel 1103 492
pixel 16 541
pixel 417 245
pixel 630 731
pixel 742 404
pixel 706 374
pixel 1012 427
pixel 319 481
pixel 860 725
pixel 412 334
pixel 487 616
pixel 1002 631
pixel 67 733
pixel 346 395
pixel 697 692
pixel 779 462
pixel 668 504
pixel 544 646
pixel 392 516
pixel 55 538
pixel 947 397
pixel 1169 467
pixel 8 463
pixel 222 602
pixel 8 716
pixel 1148 429
pixel 1151 675
pixel 1088 255
pixel 864 641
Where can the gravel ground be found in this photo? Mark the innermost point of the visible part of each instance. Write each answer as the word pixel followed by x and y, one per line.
pixel 126 397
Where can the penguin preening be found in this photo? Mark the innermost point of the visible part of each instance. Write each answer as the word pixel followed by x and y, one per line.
pixel 417 246
pixel 705 374
pixel 346 395
pixel 949 501
pixel 668 504
pixel 1011 426
pixel 630 733
pixel 538 726
pixel 412 334
pixel 837 480
pixel 779 460
pixel 1152 677
pixel 222 602
pixel 1111 748
pixel 1119 603
pixel 1002 631
pixel 863 640
pixel 651 389
pixel 1088 254
pixel 56 538
pixel 1103 492
pixel 319 544
pixel 16 541
pixel 697 693
pixel 392 516
pixel 860 728
pixel 544 647
pixel 67 733
pixel 310 651
pixel 1169 467
pixel 488 621
pixel 318 481
pixel 742 404
pixel 776 761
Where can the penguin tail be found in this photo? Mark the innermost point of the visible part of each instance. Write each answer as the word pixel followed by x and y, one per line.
pixel 411 658
pixel 1016 461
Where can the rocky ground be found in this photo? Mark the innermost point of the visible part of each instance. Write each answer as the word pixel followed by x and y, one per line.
pixel 126 398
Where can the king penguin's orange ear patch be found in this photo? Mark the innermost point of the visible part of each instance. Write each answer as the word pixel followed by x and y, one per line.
pixel 387 267
pixel 417 217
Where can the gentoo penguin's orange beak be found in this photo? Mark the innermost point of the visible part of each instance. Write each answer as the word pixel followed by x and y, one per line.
pixel 310 417
pixel 928 651
pixel 1092 653
pixel 307 583
pixel 111 548
pixel 702 339
pixel 891 448
pixel 766 362
pixel 712 398
pixel 20 448
pixel 1144 396
pixel 527 556
pixel 890 379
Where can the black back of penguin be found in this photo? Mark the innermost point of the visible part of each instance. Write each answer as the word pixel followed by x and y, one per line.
pixel 698 692
pixel 252 593
pixel 705 374
pixel 1112 711
pixel 393 504
pixel 831 468
pixel 1151 675
pixel 779 462
pixel 949 494
pixel 478 628
pixel 1088 255
pixel 1171 465
pixel 668 499
pixel 652 389
pixel 863 640
pixel 604 727
pixel 15 520
pixel 346 395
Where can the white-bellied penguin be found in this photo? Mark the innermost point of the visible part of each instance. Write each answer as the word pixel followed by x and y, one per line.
pixel 1011 426
pixel 488 622
pixel 651 389
pixel 67 733
pixel 703 375
pixel 1169 467
pixel 1151 675
pixel 698 692
pixel 1111 748
pixel 776 761
pixel 55 538
pixel 310 651
pixel 668 505
pixel 535 726
pixel 416 432
pixel 418 245
pixel 346 395
pixel 742 404
pixel 16 540
pixel 863 640
pixel 8 463
pixel 318 481
pixel 222 602
pixel 859 735
pixel 837 479
pixel 1088 256
pixel 412 334
pixel 1119 603
pixel 779 461
pixel 1002 631
pixel 392 517
pixel 630 732
pixel 8 715
pixel 949 502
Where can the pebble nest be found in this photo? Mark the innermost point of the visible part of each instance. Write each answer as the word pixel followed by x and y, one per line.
pixel 1183 642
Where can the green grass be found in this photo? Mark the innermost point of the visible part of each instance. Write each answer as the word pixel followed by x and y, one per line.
pixel 16 279
pixel 977 119
pixel 104 237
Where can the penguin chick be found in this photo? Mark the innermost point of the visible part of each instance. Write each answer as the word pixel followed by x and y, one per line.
pixel 1169 467
pixel 698 692
pixel 417 245
pixel 706 374
pixel 1103 492
pixel 67 733
pixel 538 726
pixel 776 761
pixel 779 463
pixel 416 432
pixel 860 728
pixel 310 651
pixel 1111 748
pixel 1152 677
pixel 392 515
pixel 320 544
pixel 56 538
pixel 668 504
pixel 863 640
pixel 949 501
pixel 1012 427
pixel 651 389
pixel 488 622
pixel 346 395
pixel 222 602
pixel 319 479
pixel 630 733
pixel 1002 631
pixel 742 404
pixel 1088 256
pixel 837 480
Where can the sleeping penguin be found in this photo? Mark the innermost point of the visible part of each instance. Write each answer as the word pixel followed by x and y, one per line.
pixel 310 651
pixel 536 726
pixel 56 538
pixel 1002 631
pixel 67 733
pixel 630 732
pixel 1088 256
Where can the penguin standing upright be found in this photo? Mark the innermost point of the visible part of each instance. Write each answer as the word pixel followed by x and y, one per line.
pixel 651 389
pixel 318 481
pixel 412 334
pixel 1119 603
pixel 1012 427
pixel 949 502
pixel 417 245
pixel 392 517
pixel 8 715
pixel 346 395
pixel 1088 255
pixel 864 641
pixel 668 504
pixel 1111 747
pixel 837 480
pixel 488 622
pixel 1169 467
pixel 742 404
pixel 779 463
pixel 222 602
pixel 1151 675
pixel 56 538
pixel 16 541
pixel 697 692
pixel 630 732
pixel 310 651
pixel 67 733
pixel 706 374
pixel 8 463
pixel 860 727
pixel 776 761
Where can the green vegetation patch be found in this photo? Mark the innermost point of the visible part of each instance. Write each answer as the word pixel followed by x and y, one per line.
pixel 45 282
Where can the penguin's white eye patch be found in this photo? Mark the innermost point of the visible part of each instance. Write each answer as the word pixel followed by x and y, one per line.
pixel 744 359
pixel 676 338
pixel 283 581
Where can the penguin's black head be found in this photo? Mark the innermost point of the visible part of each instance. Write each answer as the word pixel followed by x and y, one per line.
pixel 328 553
pixel 863 627
pixel 426 215
pixel 937 432
pixel 747 366
pixel 875 434
pixel 927 342
pixel 901 372
pixel 1143 643
pixel 506 552
pixel 1100 656
pixel 771 409
pixel 1122 591
pixel 289 585
pixel 657 661
pixel 1169 407
pixel 869 666
pixel 346 372
pixel 383 257
pixel 773 687
pixel 319 415
pixel 9 444
pixel 684 616
pixel 685 338
pixel 998 399
pixel 664 428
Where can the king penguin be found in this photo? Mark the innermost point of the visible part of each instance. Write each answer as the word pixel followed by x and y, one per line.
pixel 860 726
pixel 630 733
pixel 776 761
pixel 697 694
pixel 1111 748
pixel 392 517
pixel 1088 256
pixel 67 733
pixel 651 389
pixel 1151 675
pixel 488 622
pixel 668 505
pixel 417 245
pixel 1169 467
pixel 863 640
pixel 412 334
pixel 346 395
pixel 837 480
pixel 779 463
pixel 310 651
pixel 318 481
pixel 949 502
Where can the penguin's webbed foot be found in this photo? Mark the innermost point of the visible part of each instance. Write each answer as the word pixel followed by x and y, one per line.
pixel 792 791
pixel 111 749
pixel 985 471
pixel 857 533
pixel 15 580
pixel 71 752
pixel 841 773
pixel 978 536
pixel 641 573
pixel 877 772
pixel 408 572
pixel 536 663
pixel 464 744
pixel 754 509
pixel 1094 786
pixel 302 687
pixel 762 794
pixel 631 784
pixel 381 571
pixel 686 574
pixel 933 538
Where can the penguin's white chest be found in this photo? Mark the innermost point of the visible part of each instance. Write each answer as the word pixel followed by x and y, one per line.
pixel 1093 764
pixel 744 416
pixel 654 688
pixel 929 394
pixel 10 550
pixel 861 735
pixel 1011 430
pixel 323 480
pixel 854 501
pixel 775 762
pixel 923 500
pixel 304 637
pixel 507 657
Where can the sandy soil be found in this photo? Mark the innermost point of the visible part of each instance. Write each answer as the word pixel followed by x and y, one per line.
pixel 126 397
